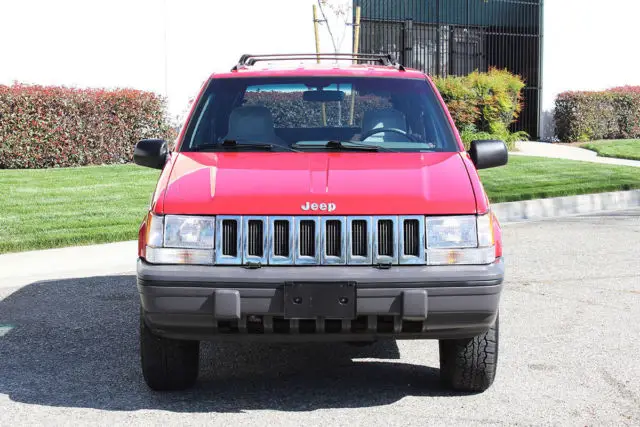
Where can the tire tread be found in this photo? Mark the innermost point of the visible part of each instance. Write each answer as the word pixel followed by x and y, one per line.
pixel 470 364
pixel 168 364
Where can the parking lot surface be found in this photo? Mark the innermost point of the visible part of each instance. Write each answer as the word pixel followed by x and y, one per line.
pixel 569 355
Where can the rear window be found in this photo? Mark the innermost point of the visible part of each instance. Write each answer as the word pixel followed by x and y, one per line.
pixel 399 114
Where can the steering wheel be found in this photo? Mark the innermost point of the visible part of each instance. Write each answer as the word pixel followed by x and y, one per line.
pixel 372 132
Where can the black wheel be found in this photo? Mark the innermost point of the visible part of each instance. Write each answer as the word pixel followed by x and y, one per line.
pixel 469 364
pixel 167 364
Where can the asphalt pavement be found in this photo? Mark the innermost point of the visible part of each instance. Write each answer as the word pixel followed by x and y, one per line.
pixel 569 355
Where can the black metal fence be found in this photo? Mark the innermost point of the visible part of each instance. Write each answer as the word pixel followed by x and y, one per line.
pixel 456 37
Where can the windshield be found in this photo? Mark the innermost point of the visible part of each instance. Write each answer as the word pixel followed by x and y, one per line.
pixel 311 113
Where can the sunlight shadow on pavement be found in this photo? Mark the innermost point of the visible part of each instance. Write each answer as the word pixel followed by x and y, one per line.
pixel 74 343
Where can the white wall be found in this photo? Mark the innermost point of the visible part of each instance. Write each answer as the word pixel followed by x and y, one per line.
pixel 588 45
pixel 121 43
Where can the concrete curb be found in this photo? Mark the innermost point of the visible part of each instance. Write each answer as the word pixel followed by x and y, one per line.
pixel 565 206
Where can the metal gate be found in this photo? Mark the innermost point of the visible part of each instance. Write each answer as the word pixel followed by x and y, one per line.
pixel 456 37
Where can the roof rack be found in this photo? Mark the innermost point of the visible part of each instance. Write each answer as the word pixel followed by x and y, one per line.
pixel 248 60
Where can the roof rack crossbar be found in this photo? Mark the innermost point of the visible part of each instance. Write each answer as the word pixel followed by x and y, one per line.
pixel 382 59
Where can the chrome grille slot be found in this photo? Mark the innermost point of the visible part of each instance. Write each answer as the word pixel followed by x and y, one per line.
pixel 308 241
pixel 229 240
pixel 359 238
pixel 281 238
pixel 412 240
pixel 385 241
pixel 333 244
pixel 307 238
pixel 254 238
pixel 385 237
pixel 334 241
pixel 230 237
pixel 255 246
pixel 411 237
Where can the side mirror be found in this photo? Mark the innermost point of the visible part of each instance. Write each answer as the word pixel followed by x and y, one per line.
pixel 488 153
pixel 151 153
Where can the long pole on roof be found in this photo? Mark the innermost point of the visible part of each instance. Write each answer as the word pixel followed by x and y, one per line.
pixel 317 34
pixel 356 46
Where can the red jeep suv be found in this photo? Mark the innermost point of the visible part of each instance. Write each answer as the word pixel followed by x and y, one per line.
pixel 319 202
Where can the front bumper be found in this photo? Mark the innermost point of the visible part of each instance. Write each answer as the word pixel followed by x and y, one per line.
pixel 235 303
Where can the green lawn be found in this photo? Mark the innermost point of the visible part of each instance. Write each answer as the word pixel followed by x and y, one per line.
pixel 63 207
pixel 527 178
pixel 620 148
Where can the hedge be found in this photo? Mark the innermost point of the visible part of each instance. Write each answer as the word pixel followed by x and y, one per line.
pixel 44 127
pixel 483 104
pixel 608 114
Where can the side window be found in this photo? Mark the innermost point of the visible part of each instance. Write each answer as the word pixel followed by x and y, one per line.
pixel 205 124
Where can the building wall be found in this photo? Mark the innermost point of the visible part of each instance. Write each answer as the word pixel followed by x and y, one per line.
pixel 121 43
pixel 588 45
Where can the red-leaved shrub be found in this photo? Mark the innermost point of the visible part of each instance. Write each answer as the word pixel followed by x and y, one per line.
pixel 608 114
pixel 57 126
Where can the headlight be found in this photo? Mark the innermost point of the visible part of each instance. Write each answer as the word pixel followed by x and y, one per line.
pixel 462 239
pixel 445 232
pixel 188 232
pixel 180 239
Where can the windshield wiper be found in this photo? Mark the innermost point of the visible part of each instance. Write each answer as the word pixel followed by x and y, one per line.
pixel 346 146
pixel 233 144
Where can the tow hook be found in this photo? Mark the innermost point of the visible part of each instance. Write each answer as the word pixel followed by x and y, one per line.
pixel 384 265
pixel 252 265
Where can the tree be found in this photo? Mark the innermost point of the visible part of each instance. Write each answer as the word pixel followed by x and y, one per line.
pixel 339 12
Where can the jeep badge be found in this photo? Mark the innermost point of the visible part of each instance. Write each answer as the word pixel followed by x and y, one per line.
pixel 325 207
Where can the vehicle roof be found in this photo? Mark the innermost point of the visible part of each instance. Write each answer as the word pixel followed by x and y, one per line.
pixel 319 70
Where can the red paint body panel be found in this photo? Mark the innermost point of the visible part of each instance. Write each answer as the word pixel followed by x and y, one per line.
pixel 157 199
pixel 279 183
pixel 482 201
pixel 312 70
pixel 258 183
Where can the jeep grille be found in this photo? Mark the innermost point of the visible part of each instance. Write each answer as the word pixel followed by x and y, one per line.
pixel 323 240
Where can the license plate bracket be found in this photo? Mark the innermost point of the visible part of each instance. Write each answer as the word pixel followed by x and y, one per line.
pixel 311 300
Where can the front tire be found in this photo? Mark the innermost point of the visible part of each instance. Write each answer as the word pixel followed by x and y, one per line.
pixel 469 364
pixel 167 364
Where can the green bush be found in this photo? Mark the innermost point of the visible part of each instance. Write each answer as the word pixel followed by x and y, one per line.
pixel 484 105
pixel 460 98
pixel 471 134
pixel 608 114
